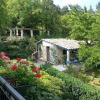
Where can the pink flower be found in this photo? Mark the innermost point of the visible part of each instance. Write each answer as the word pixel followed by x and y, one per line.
pixel 5 57
pixel 3 53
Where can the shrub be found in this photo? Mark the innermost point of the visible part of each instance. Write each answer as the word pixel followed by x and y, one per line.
pixel 74 88
pixel 20 48
pixel 40 93
pixel 46 88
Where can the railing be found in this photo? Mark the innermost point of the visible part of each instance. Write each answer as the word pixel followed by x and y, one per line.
pixel 7 92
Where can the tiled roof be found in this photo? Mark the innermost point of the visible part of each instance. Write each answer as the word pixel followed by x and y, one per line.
pixel 64 43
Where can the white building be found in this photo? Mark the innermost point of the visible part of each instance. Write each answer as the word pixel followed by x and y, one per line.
pixel 59 50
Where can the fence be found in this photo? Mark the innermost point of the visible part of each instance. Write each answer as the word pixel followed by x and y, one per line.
pixel 7 92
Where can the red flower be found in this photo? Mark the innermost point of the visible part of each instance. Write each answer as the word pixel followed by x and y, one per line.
pixel 18 59
pixel 38 75
pixel 39 68
pixel 0 55
pixel 14 67
pixel 34 69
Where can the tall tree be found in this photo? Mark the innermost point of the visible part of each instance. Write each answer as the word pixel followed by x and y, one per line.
pixel 50 16
pixel 91 9
pixel 34 13
pixel 98 6
pixel 80 22
pixel 64 10
pixel 91 52
pixel 3 16
pixel 24 12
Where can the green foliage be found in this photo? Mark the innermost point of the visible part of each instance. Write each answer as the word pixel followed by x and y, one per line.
pixel 91 56
pixel 20 75
pixel 74 88
pixel 53 84
pixel 98 6
pixel 2 70
pixel 32 44
pixel 81 24
pixel 72 71
pixel 2 63
pixel 22 48
pixel 3 14
pixel 46 66
pixel 46 88
pixel 34 14
pixel 40 93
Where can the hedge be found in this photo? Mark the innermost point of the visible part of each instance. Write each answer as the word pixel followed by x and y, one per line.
pixel 74 89
pixel 46 88
pixel 15 48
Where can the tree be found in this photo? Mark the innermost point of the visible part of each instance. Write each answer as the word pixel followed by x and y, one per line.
pixel 3 16
pixel 65 20
pixel 91 52
pixel 50 16
pixel 64 10
pixel 84 25
pixel 40 14
pixel 91 9
pixel 25 13
pixel 80 23
pixel 98 6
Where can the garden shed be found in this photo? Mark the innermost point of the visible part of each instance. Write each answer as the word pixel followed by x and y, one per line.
pixel 58 50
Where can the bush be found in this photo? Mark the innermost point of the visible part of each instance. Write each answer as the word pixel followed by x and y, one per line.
pixel 19 48
pixel 40 93
pixel 74 88
pixel 91 56
pixel 46 88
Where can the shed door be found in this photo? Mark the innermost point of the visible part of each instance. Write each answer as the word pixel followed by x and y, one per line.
pixel 48 53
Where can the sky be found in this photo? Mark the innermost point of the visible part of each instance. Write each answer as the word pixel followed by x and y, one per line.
pixel 82 3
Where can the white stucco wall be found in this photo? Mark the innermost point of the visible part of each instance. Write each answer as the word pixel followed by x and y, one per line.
pixel 44 45
pixel 59 53
pixel 54 51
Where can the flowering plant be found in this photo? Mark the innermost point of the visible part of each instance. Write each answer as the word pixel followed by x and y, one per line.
pixel 21 70
pixel 3 59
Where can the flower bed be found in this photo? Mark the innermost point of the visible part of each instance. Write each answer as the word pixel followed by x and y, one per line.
pixel 18 72
pixel 74 88
pixel 30 81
